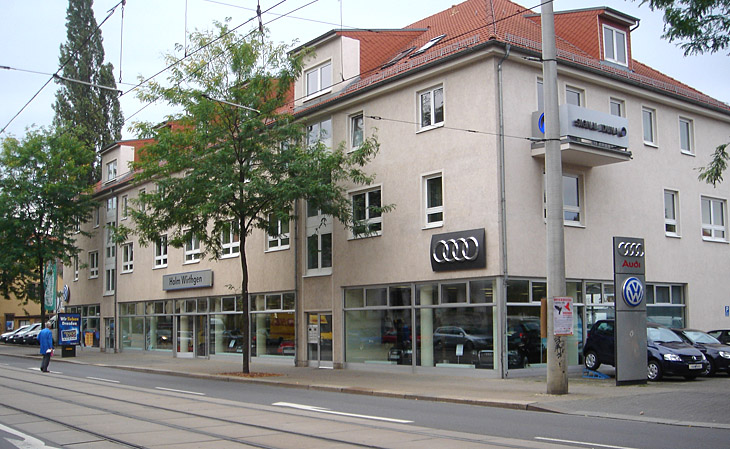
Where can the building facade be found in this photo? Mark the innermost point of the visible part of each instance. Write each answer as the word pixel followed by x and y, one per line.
pixel 453 277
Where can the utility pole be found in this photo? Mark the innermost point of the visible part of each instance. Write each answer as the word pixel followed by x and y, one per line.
pixel 557 372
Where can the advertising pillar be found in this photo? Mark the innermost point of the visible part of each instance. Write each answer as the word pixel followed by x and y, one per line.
pixel 630 329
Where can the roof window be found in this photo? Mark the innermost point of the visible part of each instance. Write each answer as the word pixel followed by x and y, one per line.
pixel 428 45
pixel 398 57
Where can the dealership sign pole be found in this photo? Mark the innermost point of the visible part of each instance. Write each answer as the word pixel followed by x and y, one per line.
pixel 630 329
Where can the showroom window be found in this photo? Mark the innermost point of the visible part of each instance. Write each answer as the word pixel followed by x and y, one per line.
pixel 713 219
pixel 272 325
pixel 431 108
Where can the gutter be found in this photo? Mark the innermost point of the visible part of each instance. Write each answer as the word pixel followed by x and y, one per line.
pixel 502 209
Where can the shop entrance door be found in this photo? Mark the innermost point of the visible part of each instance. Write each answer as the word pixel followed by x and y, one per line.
pixel 201 335
pixel 192 336
pixel 319 340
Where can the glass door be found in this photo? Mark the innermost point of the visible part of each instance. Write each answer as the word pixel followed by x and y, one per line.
pixel 319 340
pixel 185 333
pixel 201 335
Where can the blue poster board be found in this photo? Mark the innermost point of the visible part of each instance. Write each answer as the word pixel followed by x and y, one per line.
pixel 69 329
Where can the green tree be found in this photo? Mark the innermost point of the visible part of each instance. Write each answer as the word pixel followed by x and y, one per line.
pixel 44 196
pixel 232 158
pixel 93 112
pixel 700 26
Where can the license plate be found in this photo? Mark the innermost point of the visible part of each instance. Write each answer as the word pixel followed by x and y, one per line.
pixel 695 366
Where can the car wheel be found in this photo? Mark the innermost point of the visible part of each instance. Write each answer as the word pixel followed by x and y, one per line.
pixel 710 370
pixel 654 370
pixel 591 361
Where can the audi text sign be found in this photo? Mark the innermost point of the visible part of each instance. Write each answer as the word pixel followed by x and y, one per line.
pixel 463 250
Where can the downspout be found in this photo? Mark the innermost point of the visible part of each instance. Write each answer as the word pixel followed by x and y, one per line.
pixel 502 215
pixel 116 280
pixel 297 291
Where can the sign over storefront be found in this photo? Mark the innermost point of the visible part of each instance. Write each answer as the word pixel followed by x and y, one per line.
pixel 583 123
pixel 463 250
pixel 193 279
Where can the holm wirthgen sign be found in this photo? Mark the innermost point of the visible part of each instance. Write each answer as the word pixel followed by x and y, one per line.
pixel 193 279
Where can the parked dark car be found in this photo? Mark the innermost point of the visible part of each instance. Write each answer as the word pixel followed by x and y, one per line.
pixel 721 334
pixel 18 338
pixel 716 353
pixel 31 337
pixel 667 354
pixel 4 337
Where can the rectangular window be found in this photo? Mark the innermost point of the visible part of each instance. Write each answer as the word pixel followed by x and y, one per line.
pixel 433 200
pixel 713 219
pixel 278 234
pixel 573 96
pixel 192 249
pixel 110 246
pixel 111 204
pixel 76 268
pixel 614 45
pixel 127 257
pixel 93 264
pixel 142 203
pixel 671 211
pixel 230 240
pixel 540 95
pixel 110 275
pixel 125 206
pixel 111 171
pixel 319 242
pixel 161 252
pixel 572 199
pixel 356 131
pixel 686 136
pixel 431 107
pixel 617 107
pixel 649 121
pixel 366 213
pixel 319 79
pixel 320 132
pixel 97 217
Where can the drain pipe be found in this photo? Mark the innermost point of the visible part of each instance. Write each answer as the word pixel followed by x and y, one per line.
pixel 503 215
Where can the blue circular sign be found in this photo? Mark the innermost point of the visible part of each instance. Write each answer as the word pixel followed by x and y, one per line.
pixel 541 123
pixel 633 291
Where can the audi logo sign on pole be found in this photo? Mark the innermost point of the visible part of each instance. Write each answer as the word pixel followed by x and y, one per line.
pixel 463 250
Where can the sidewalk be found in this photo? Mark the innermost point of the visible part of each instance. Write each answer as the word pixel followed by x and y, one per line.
pixel 697 403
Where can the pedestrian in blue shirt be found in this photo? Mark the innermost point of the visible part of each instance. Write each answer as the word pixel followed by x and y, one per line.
pixel 45 338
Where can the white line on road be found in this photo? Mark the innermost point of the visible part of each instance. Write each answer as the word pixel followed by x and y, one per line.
pixel 52 372
pixel 582 443
pixel 180 391
pixel 331 412
pixel 103 380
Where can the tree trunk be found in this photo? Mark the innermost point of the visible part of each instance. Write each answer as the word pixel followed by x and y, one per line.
pixel 244 296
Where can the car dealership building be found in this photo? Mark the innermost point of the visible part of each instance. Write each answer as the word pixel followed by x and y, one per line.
pixel 452 278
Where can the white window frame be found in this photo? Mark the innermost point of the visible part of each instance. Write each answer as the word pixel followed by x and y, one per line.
pixel 318 88
pixel 76 268
pixel 93 264
pixel 230 241
pixel 140 193
pixel 357 131
pixel 711 230
pixel 128 257
pixel 432 211
pixel 97 217
pixel 540 89
pixel 110 248
pixel 111 203
pixel 111 170
pixel 433 41
pixel 320 131
pixel 687 147
pixel 192 250
pixel 431 94
pixel 621 106
pixel 376 220
pixel 579 209
pixel 614 47
pixel 110 275
pixel 580 93
pixel 319 225
pixel 671 213
pixel 652 123
pixel 125 207
pixel 282 239
pixel 161 252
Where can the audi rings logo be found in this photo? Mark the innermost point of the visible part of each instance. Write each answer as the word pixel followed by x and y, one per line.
pixel 631 249
pixel 456 250
pixel 633 291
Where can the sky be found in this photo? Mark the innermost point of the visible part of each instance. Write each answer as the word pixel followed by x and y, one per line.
pixel 31 32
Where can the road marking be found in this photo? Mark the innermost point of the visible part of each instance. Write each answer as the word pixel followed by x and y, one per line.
pixel 23 440
pixel 103 380
pixel 180 391
pixel 39 370
pixel 582 443
pixel 332 412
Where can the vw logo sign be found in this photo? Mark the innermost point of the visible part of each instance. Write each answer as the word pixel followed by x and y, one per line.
pixel 633 291
pixel 456 250
pixel 631 249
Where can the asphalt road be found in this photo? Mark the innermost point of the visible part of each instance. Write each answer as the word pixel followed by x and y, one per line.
pixel 430 420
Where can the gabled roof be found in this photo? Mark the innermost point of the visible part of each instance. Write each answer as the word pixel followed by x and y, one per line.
pixel 475 23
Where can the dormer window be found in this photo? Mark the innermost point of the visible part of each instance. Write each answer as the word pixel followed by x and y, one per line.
pixel 428 45
pixel 319 79
pixel 614 45
pixel 111 171
pixel 398 57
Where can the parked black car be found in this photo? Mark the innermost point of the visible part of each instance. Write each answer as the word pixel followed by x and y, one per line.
pixel 31 337
pixel 716 353
pixel 721 334
pixel 667 354
pixel 4 337
pixel 18 338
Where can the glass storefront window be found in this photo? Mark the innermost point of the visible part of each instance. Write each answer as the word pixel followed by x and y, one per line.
pixel 158 333
pixel 378 336
pixel 225 334
pixel 132 329
pixel 229 304
pixel 524 343
pixel 670 316
pixel 272 334
pixel 518 291
pixel 289 300
pixel 456 336
pixel 539 291
pixel 376 297
pixel 400 296
pixel 453 293
pixel 481 292
pixel 427 295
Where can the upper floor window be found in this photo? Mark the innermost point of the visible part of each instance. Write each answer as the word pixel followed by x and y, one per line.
pixel 230 240
pixel 93 264
pixel 614 45
pixel 617 107
pixel 540 95
pixel 110 246
pixel 320 132
pixel 356 131
pixel 431 107
pixel 97 217
pixel 572 199
pixel 111 170
pixel 433 200
pixel 713 219
pixel 192 249
pixel 573 96
pixel 110 281
pixel 278 234
pixel 686 136
pixel 671 212
pixel 161 252
pixel 366 213
pixel 427 45
pixel 125 206
pixel 76 268
pixel 319 242
pixel 127 257
pixel 319 78
pixel 649 122
pixel 111 204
